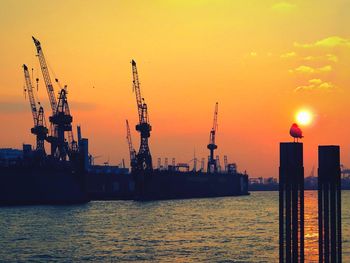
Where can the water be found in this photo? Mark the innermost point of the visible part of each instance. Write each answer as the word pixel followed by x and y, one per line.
pixel 231 229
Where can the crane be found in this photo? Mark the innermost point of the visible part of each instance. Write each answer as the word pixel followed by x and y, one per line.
pixel 39 128
pixel 143 157
pixel 132 152
pixel 61 119
pixel 212 165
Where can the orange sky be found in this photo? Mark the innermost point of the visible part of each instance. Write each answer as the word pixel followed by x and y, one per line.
pixel 261 60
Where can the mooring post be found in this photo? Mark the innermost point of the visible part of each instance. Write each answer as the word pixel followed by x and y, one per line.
pixel 329 204
pixel 291 203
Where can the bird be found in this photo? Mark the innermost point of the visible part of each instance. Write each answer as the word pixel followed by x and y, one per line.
pixel 296 132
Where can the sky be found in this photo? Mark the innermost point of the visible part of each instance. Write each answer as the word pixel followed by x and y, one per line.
pixel 262 61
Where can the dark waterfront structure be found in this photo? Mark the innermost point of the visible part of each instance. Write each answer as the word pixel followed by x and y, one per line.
pixel 329 204
pixel 291 203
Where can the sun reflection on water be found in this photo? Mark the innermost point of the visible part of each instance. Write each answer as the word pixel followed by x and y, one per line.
pixel 311 226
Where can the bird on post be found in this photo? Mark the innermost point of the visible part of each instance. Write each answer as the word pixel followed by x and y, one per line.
pixel 296 132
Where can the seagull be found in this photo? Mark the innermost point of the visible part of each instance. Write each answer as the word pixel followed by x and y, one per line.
pixel 295 132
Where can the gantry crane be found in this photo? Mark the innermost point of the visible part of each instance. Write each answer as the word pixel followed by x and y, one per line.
pixel 39 128
pixel 212 165
pixel 61 120
pixel 143 157
pixel 132 152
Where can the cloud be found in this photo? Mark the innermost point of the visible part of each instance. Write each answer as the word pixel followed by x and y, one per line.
pixel 310 70
pixel 329 42
pixel 317 85
pixel 304 69
pixel 20 106
pixel 332 57
pixel 327 68
pixel 9 106
pixel 329 57
pixel 283 7
pixel 82 106
pixel 288 55
pixel 315 81
pixel 253 54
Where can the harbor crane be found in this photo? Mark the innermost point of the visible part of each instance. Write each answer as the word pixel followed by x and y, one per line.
pixel 212 165
pixel 132 152
pixel 39 128
pixel 61 119
pixel 143 157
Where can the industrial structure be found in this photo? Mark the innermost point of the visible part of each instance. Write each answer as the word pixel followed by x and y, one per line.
pixel 39 128
pixel 32 177
pixel 212 163
pixel 143 157
pixel 61 119
pixel 132 152
pixel 67 174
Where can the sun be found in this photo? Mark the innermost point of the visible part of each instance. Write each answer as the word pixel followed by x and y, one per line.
pixel 304 117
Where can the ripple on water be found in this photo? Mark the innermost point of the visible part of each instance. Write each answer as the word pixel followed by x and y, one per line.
pixel 231 229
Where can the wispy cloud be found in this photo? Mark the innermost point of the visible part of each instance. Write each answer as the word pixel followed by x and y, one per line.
pixel 310 70
pixel 9 106
pixel 332 57
pixel 19 106
pixel 327 68
pixel 253 54
pixel 82 106
pixel 329 57
pixel 304 69
pixel 329 42
pixel 288 55
pixel 283 7
pixel 316 85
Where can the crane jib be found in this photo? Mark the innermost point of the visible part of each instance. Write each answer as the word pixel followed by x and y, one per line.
pixel 46 76
pixel 29 88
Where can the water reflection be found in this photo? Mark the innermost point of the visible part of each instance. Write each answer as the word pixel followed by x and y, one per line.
pixel 311 226
pixel 233 229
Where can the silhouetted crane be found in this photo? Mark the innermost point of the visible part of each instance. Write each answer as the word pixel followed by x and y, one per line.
pixel 212 165
pixel 39 128
pixel 61 119
pixel 132 152
pixel 143 157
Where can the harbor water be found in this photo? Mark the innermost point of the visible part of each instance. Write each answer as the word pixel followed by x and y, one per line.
pixel 230 229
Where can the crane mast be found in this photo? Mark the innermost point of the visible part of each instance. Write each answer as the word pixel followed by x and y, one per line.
pixel 212 164
pixel 39 128
pixel 132 151
pixel 143 157
pixel 61 119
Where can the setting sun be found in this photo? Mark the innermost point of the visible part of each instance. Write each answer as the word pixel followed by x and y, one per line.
pixel 304 117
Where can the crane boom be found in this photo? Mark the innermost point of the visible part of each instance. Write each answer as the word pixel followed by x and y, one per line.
pixel 141 105
pixel 215 125
pixel 46 75
pixel 29 89
pixel 132 151
pixel 137 90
